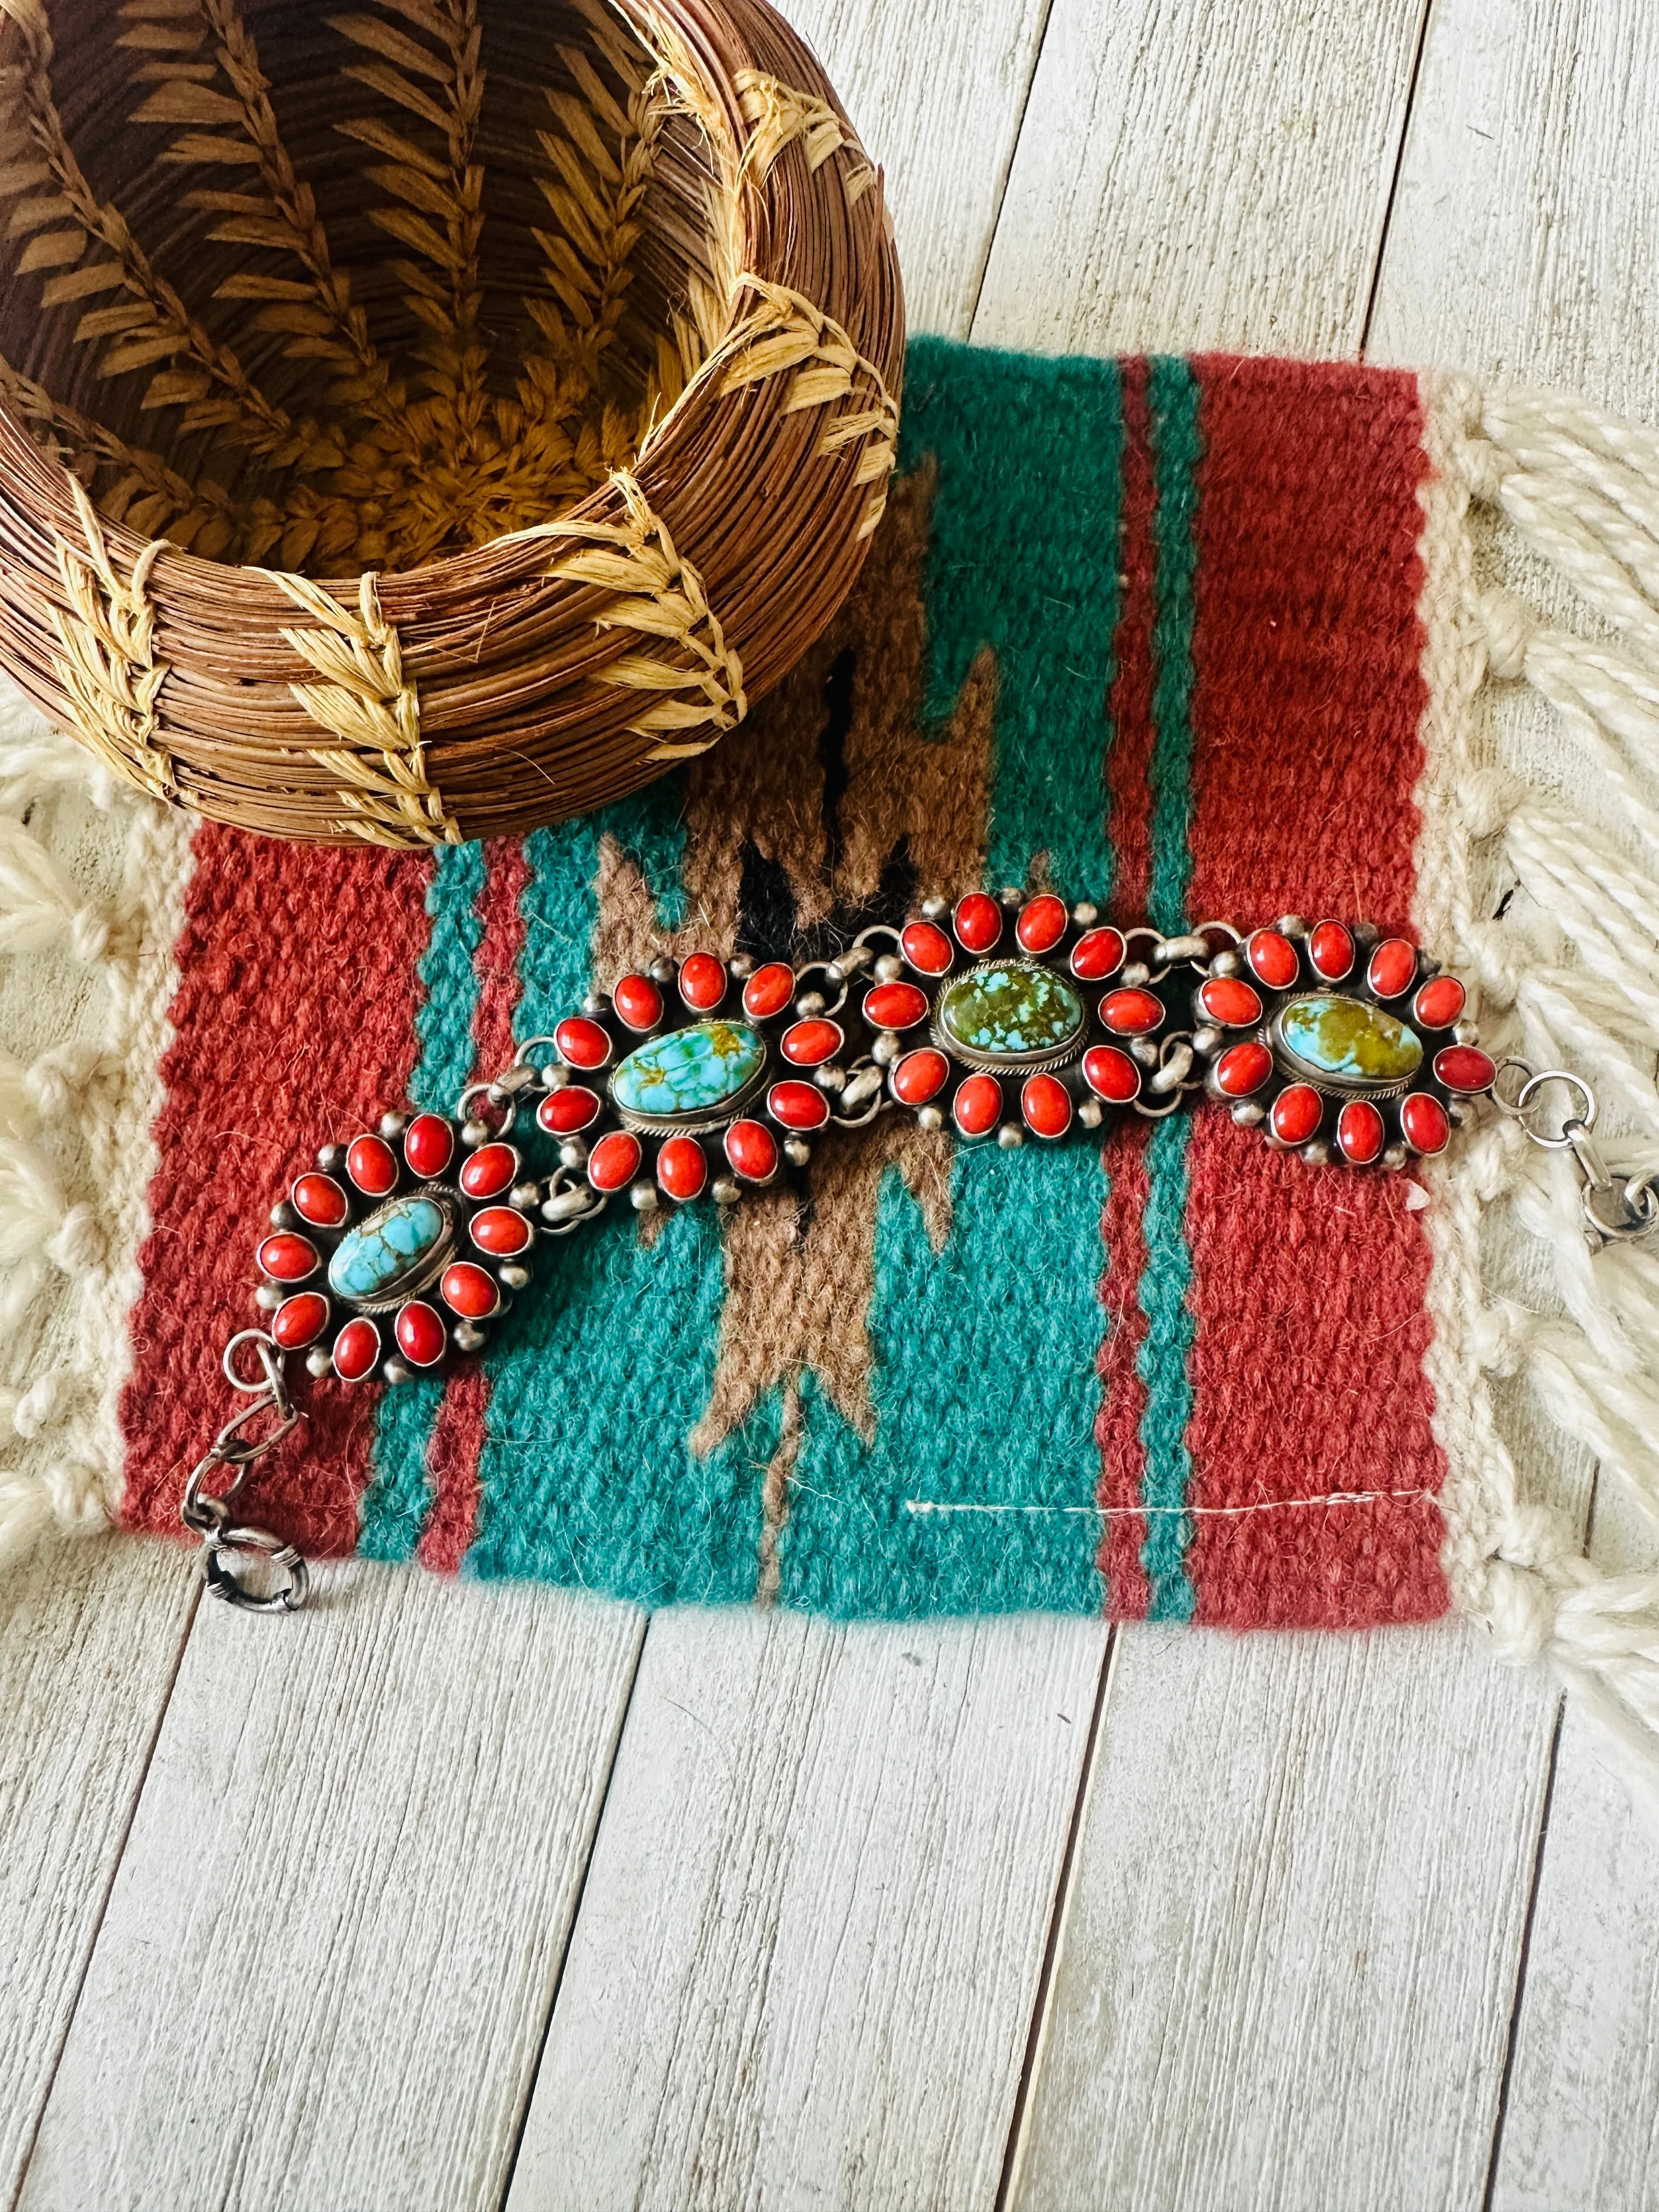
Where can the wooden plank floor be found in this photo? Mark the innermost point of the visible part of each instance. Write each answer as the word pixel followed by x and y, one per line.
pixel 459 1897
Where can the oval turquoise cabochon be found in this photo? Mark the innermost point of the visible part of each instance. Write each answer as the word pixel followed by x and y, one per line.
pixel 1009 1008
pixel 370 1260
pixel 690 1071
pixel 1350 1039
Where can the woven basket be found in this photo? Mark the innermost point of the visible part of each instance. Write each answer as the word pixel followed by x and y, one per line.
pixel 429 421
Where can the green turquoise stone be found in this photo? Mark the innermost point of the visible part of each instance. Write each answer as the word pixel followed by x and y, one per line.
pixel 690 1071
pixel 370 1260
pixel 1350 1039
pixel 1009 1008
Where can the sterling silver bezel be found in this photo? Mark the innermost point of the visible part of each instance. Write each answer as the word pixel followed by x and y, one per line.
pixel 1291 1064
pixel 1043 1062
pixel 420 1274
pixel 698 1120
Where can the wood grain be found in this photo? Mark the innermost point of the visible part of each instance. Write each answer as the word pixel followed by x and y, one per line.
pixel 1201 173
pixel 89 1641
pixel 813 1927
pixel 333 1937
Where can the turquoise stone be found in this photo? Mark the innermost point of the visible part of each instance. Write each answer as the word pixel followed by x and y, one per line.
pixel 370 1260
pixel 1009 1008
pixel 1350 1039
pixel 690 1071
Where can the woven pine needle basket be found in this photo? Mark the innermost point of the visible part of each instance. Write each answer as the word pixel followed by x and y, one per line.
pixel 427 421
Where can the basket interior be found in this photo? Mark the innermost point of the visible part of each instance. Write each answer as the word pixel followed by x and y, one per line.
pixel 349 291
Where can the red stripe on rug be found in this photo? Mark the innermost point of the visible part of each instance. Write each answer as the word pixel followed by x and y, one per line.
pixel 1309 1285
pixel 292 1025
pixel 458 1432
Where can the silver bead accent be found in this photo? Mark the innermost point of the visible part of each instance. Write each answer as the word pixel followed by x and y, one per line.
pixel 512 1277
pixel 796 1151
pixel 810 1003
pixel 393 1127
pixel 1290 925
pixel 1146 1051
pixel 1365 932
pixel 642 1197
pixel 885 1049
pixel 1318 1154
pixel 319 1362
pixel 523 1196
pixel 1133 974
pixel 1249 1114
pixel 594 1005
pixel 474 1134
pixel 331 1158
pixel 1205 1037
pixel 1089 1113
pixel 889 968
pixel 929 1117
pixel 1395 1158
pixel 834 972
pixel 1226 963
pixel 935 909
pixel 573 1153
pixel 829 1077
pixel 465 1338
pixel 283 1215
pixel 1010 1137
pixel 724 1191
pixel 741 964
pixel 555 1077
pixel 1467 1032
pixel 1085 915
pixel 1457 1113
pixel 1011 895
pixel 268 1296
pixel 393 1371
pixel 663 970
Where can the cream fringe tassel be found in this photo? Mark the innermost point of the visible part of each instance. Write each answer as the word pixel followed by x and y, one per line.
pixel 1569 977
pixel 76 1151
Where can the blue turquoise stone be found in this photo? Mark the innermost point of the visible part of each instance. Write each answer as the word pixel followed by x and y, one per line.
pixel 1335 1035
pixel 1010 1008
pixel 370 1259
pixel 691 1070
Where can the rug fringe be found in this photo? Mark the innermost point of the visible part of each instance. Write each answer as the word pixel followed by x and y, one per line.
pixel 1569 977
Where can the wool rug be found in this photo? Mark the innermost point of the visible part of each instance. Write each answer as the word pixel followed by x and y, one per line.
pixel 1189 638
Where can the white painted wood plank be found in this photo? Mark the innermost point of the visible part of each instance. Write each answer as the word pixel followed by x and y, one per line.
pixel 936 94
pixel 815 1918
pixel 1522 245
pixel 90 1636
pixel 1285 1975
pixel 1201 173
pixel 333 1938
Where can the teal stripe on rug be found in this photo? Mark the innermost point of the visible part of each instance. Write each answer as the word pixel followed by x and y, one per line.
pixel 603 1368
pixel 1172 401
pixel 984 1389
pixel 394 1505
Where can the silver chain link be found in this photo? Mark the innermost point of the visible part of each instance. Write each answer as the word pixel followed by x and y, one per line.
pixel 1618 1209
pixel 229 1547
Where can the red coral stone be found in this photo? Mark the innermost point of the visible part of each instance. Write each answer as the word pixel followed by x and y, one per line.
pixel 582 1043
pixel 768 990
pixel 1272 959
pixel 1424 1121
pixel 356 1349
pixel 1131 1013
pixel 320 1200
pixel 752 1150
pixel 1045 1106
pixel 926 949
pixel 1296 1114
pixel 919 1076
pixel 978 921
pixel 613 1164
pixel 1041 923
pixel 895 1007
pixel 421 1333
pixel 1462 1067
pixel 1242 1068
pixel 1331 949
pixel 1359 1132
pixel 1111 1074
pixel 1230 1000
pixel 563 1112
pixel 502 1232
pixel 809 1044
pixel 1393 965
pixel 490 1170
pixel 1097 954
pixel 638 1002
pixel 797 1105
pixel 470 1291
pixel 1439 1003
pixel 300 1320
pixel 702 982
pixel 372 1165
pixel 977 1106
pixel 287 1258
pixel 428 1145
pixel 683 1168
